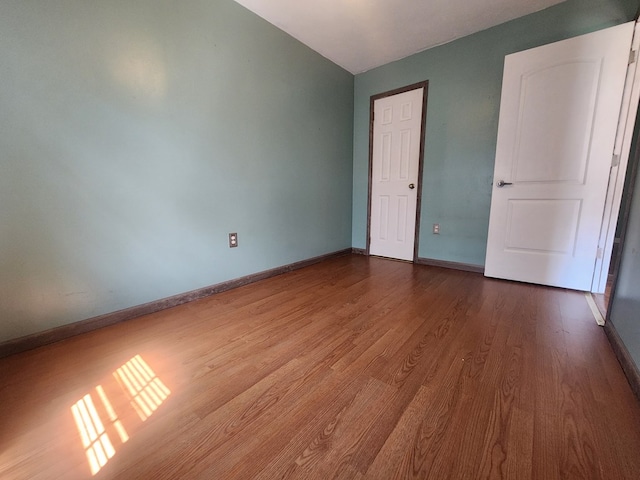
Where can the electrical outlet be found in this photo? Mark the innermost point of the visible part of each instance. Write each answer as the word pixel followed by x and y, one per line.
pixel 233 240
pixel 436 228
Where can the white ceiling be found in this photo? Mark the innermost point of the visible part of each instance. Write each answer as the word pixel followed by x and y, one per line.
pixel 360 35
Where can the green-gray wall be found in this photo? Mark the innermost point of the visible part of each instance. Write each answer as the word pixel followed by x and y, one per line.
pixel 465 78
pixel 135 135
pixel 625 306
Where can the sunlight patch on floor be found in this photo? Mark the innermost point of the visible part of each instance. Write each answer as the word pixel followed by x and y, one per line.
pixel 96 442
pixel 145 392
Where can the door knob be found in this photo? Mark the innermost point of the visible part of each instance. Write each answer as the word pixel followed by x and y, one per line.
pixel 412 186
pixel 502 183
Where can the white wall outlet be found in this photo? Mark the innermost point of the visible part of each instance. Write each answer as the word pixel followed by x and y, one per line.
pixel 233 240
pixel 436 228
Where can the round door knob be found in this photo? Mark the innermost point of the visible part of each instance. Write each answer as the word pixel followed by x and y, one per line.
pixel 412 186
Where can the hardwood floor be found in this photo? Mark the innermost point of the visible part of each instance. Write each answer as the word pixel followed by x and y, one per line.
pixel 353 368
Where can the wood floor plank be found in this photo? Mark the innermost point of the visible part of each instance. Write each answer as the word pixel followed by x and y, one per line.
pixel 286 454
pixel 353 368
pixel 413 448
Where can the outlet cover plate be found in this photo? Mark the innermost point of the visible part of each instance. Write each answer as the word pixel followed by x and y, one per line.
pixel 233 240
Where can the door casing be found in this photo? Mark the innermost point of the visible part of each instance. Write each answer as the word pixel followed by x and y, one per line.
pixel 622 150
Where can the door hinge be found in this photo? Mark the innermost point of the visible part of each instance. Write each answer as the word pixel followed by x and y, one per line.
pixel 615 160
pixel 632 56
pixel 599 253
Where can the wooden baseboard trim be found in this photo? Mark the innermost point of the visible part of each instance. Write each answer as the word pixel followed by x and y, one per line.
pixel 624 357
pixel 467 267
pixel 358 251
pixel 57 334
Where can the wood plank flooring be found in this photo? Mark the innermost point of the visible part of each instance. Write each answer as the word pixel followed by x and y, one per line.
pixel 354 368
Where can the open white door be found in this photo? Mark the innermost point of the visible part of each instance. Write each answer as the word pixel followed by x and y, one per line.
pixel 395 159
pixel 558 118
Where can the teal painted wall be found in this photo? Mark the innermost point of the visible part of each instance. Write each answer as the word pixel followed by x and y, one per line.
pixel 135 135
pixel 465 78
pixel 625 305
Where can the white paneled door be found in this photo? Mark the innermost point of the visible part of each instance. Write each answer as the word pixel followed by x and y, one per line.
pixel 558 118
pixel 397 131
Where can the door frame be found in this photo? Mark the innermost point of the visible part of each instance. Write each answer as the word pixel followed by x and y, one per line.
pixel 423 122
pixel 618 172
